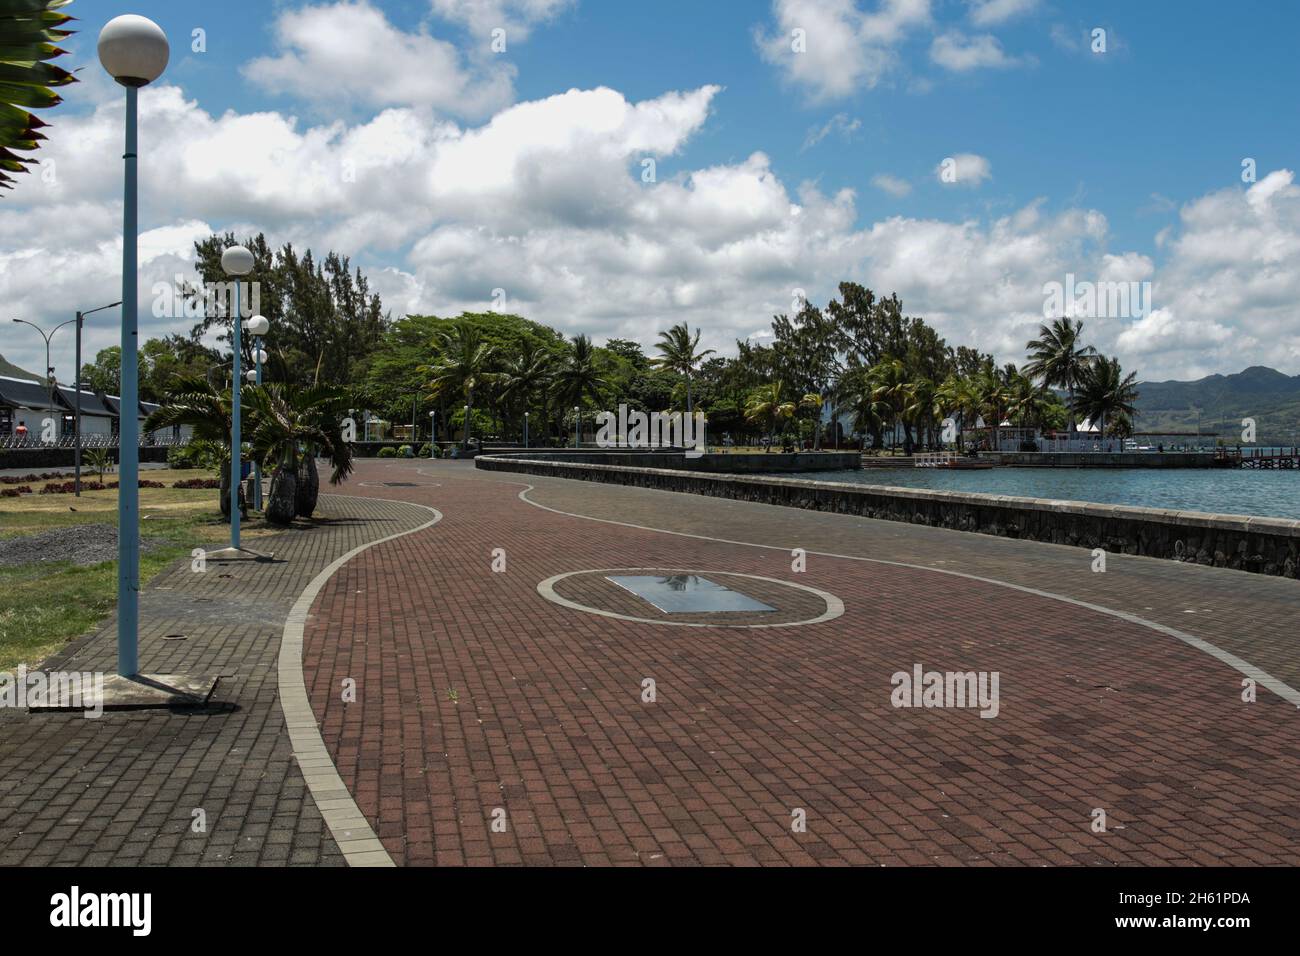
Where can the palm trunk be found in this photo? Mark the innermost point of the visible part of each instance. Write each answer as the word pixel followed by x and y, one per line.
pixel 308 485
pixel 281 505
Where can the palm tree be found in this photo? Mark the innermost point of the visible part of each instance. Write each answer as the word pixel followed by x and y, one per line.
pixel 891 387
pixel 578 378
pixel 461 366
pixel 524 375
pixel 769 403
pixel 1058 359
pixel 678 352
pixel 992 399
pixel 29 32
pixel 206 411
pixel 853 395
pixel 291 423
pixel 1106 393
pixel 958 396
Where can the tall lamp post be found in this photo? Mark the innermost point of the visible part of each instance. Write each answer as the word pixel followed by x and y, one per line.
pixel 433 434
pixel 76 392
pixel 134 52
pixel 577 426
pixel 258 326
pixel 236 262
pixel 525 429
pixel 467 428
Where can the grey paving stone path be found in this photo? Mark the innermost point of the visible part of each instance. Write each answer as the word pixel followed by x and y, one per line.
pixel 122 789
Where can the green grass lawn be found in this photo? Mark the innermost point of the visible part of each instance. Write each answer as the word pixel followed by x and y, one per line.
pixel 43 606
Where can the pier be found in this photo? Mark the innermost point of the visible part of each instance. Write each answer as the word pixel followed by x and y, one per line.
pixel 1258 458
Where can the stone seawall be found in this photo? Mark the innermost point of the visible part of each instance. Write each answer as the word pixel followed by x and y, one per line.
pixel 748 464
pixel 1260 545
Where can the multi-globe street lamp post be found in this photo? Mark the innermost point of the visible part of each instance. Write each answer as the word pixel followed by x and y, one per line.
pixel 236 262
pixel 134 52
pixel 258 326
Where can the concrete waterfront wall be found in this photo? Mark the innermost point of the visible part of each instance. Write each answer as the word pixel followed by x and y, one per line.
pixel 1097 459
pixel 1260 545
pixel 749 464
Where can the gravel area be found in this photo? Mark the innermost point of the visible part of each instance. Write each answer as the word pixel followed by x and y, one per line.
pixel 85 544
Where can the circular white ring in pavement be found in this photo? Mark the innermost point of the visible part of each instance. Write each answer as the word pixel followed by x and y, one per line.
pixel 834 606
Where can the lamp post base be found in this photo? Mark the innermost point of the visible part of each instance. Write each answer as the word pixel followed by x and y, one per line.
pixel 139 692
pixel 238 554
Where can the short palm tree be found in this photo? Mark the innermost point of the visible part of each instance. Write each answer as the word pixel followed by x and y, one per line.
pixel 679 352
pixel 1058 358
pixel 1106 393
pixel 462 365
pixel 206 411
pixel 291 424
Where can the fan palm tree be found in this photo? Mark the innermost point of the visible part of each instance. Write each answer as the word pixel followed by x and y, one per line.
pixel 206 411
pixel 1106 393
pixel 462 365
pixel 1058 359
pixel 290 424
pixel 679 352
pixel 29 33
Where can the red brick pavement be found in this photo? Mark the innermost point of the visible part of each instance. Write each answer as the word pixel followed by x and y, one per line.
pixel 475 694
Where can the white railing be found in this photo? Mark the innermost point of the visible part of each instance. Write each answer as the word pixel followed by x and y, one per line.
pixel 934 459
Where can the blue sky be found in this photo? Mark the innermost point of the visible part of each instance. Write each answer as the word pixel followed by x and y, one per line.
pixel 1124 164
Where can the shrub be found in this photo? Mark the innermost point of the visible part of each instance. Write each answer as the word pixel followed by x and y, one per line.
pixel 405 452
pixel 27 479
pixel 198 483
pixel 388 451
pixel 15 492
pixel 200 454
pixel 424 450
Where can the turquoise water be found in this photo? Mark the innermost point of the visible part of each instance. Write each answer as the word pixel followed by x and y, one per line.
pixel 1274 494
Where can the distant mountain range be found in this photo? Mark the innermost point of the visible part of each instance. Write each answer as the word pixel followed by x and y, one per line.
pixel 1218 403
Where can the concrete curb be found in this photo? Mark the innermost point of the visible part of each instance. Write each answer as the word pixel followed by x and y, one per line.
pixel 351 830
